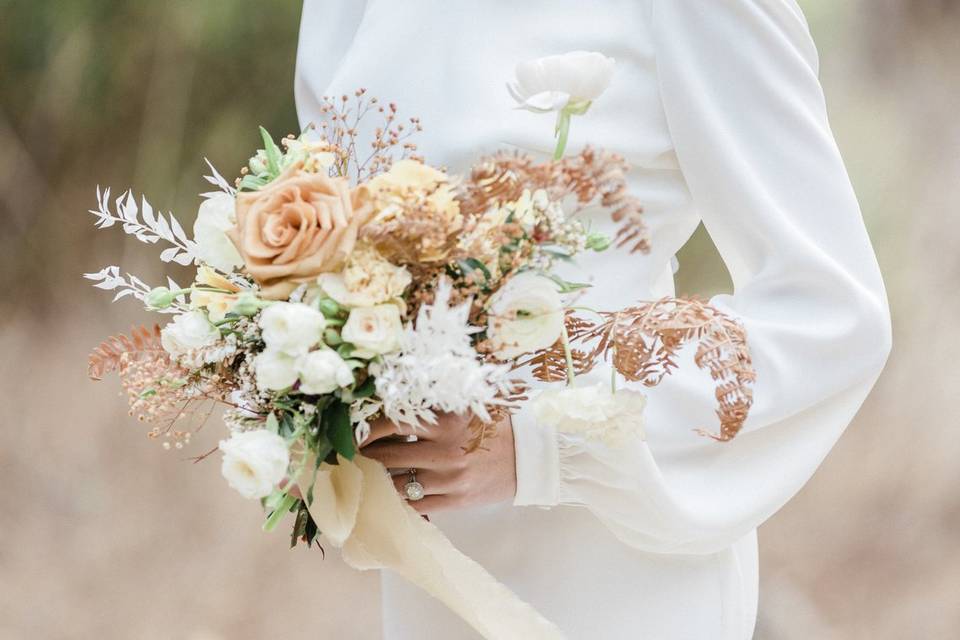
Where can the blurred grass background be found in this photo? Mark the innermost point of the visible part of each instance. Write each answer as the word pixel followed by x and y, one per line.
pixel 105 536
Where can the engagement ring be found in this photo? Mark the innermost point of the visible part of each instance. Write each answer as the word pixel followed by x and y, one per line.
pixel 413 490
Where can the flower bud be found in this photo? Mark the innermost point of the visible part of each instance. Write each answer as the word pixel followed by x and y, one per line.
pixel 247 304
pixel 328 307
pixel 258 163
pixel 160 298
pixel 332 337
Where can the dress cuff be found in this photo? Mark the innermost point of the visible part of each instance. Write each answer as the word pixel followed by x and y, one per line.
pixel 538 461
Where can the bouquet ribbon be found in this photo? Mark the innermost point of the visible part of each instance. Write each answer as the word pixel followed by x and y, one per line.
pixel 356 506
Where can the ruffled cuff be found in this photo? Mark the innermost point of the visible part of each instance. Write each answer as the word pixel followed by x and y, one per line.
pixel 538 461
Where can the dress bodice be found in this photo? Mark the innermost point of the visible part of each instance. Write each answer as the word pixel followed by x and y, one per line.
pixel 718 109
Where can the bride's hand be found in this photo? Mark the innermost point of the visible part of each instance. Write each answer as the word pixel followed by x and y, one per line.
pixel 451 479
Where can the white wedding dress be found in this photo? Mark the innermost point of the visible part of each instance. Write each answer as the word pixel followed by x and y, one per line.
pixel 717 106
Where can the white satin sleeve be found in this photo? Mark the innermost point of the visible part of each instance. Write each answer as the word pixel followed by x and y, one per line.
pixel 746 114
pixel 327 28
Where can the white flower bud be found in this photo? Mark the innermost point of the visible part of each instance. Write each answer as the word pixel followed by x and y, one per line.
pixel 274 370
pixel 254 462
pixel 191 330
pixel 291 327
pixel 323 371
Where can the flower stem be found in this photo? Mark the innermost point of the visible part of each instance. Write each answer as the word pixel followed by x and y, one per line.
pixel 563 131
pixel 568 355
pixel 613 374
pixel 281 510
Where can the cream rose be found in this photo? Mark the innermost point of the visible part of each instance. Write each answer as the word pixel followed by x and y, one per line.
pixel 323 371
pixel 291 327
pixel 525 315
pixel 366 281
pixel 373 330
pixel 216 216
pixel 274 370
pixel 188 331
pixel 300 225
pixel 254 462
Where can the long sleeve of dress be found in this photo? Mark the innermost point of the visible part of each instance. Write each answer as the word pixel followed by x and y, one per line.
pixel 745 110
pixel 327 29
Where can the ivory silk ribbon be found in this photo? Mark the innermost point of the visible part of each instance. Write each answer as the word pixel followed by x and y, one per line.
pixel 358 510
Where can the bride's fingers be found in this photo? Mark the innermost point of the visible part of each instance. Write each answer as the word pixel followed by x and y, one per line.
pixel 406 455
pixel 436 504
pixel 380 429
pixel 384 428
pixel 433 482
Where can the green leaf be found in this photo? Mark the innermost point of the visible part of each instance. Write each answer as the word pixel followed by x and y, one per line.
pixel 252 183
pixel 345 350
pixel 366 389
pixel 472 264
pixel 273 152
pixel 339 431
pixel 568 287
pixel 272 423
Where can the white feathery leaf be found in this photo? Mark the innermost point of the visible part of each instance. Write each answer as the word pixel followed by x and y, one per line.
pixel 218 181
pixel 146 225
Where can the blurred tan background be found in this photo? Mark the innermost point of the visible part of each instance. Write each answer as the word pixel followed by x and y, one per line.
pixel 104 535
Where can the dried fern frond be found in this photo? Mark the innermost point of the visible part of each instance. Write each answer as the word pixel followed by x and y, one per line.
pixel 592 177
pixel 108 356
pixel 550 365
pixel 481 431
pixel 643 343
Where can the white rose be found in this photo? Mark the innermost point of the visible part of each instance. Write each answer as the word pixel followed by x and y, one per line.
pixel 291 327
pixel 216 216
pixel 274 370
pixel 570 80
pixel 323 371
pixel 190 330
pixel 593 412
pixel 254 462
pixel 373 330
pixel 525 315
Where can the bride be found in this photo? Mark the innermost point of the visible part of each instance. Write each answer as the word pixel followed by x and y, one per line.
pixel 717 107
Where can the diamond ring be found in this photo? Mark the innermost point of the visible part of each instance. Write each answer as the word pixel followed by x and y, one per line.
pixel 413 490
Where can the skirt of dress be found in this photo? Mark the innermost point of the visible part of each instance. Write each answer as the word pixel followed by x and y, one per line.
pixel 576 573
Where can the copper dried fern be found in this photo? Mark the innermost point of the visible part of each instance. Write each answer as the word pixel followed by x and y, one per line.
pixel 643 343
pixel 109 356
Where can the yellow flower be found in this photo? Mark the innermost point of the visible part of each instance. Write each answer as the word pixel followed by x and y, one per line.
pixel 367 280
pixel 216 303
pixel 409 177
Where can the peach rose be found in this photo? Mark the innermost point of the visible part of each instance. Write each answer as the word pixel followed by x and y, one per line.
pixel 300 225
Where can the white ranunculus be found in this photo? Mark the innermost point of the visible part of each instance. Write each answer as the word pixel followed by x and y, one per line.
pixel 373 330
pixel 323 371
pixel 254 462
pixel 554 83
pixel 190 330
pixel 291 327
pixel 274 370
pixel 216 216
pixel 525 315
pixel 593 412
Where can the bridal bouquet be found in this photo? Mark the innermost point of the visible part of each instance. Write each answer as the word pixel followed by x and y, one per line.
pixel 338 281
